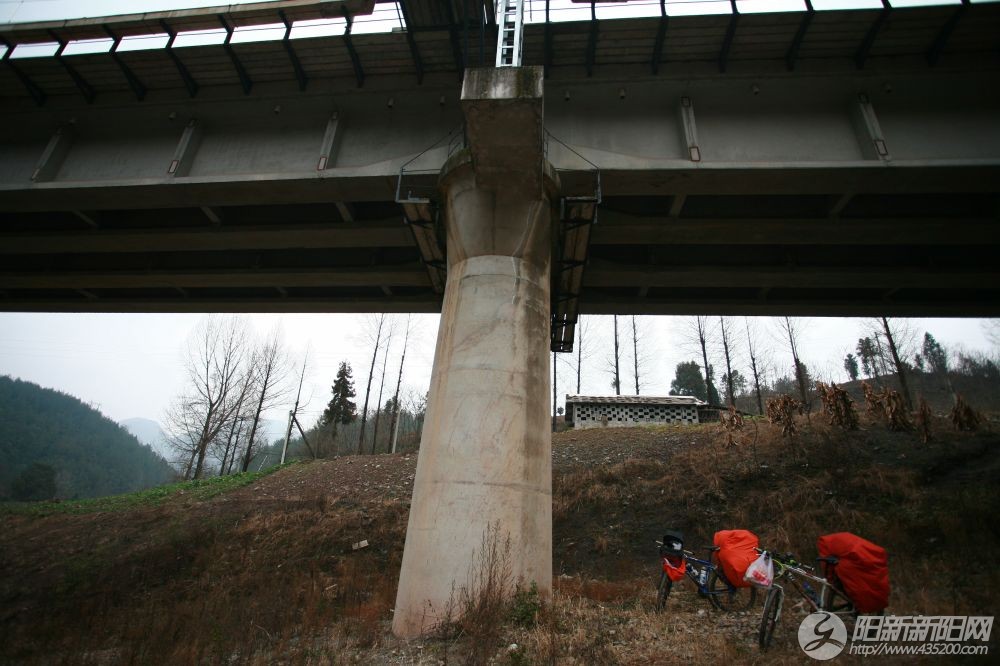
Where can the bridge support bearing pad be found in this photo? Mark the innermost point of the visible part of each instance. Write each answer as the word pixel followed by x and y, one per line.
pixel 484 472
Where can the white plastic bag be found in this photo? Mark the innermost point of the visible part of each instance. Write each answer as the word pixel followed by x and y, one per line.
pixel 761 571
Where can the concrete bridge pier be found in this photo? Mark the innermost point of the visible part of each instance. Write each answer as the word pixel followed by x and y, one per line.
pixel 484 468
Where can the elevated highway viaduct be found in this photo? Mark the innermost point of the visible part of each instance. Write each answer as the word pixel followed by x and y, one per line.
pixel 824 163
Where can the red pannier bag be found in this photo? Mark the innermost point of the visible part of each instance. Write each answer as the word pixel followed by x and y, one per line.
pixel 862 569
pixel 737 549
pixel 672 554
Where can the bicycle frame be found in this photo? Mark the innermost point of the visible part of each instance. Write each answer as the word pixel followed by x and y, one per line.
pixel 798 577
pixel 693 573
pixel 828 598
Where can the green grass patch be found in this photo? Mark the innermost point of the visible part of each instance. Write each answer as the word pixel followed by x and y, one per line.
pixel 199 490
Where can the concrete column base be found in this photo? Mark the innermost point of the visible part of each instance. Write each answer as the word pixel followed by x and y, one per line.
pixel 484 468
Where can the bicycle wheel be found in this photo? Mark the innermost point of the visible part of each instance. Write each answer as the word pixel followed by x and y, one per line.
pixel 728 598
pixel 663 591
pixel 769 618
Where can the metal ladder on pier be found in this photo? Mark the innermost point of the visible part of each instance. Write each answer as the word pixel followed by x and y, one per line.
pixel 511 20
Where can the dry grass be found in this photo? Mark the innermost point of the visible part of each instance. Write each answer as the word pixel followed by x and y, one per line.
pixel 252 582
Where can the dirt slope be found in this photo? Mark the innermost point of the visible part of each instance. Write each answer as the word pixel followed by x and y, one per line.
pixel 267 573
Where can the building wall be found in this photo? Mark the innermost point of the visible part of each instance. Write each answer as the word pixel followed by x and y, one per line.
pixel 597 415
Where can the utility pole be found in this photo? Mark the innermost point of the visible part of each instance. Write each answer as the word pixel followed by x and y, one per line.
pixel 291 414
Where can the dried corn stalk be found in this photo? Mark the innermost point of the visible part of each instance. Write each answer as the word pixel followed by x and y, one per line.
pixel 781 410
pixel 895 410
pixel 963 416
pixel 838 406
pixel 886 404
pixel 923 419
pixel 873 401
pixel 732 422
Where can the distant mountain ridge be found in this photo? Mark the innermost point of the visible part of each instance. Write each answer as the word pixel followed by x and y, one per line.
pixel 92 455
pixel 150 433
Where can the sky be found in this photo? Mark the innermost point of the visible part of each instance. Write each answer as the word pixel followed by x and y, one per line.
pixel 131 365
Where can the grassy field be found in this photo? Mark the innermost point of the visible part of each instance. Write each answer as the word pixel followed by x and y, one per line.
pixel 200 489
pixel 260 569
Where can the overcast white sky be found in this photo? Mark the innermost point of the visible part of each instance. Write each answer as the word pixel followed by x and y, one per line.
pixel 130 364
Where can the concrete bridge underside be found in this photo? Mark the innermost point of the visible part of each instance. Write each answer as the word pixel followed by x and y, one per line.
pixel 824 176
pixel 822 189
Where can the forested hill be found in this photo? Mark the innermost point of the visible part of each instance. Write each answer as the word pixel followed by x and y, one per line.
pixel 90 454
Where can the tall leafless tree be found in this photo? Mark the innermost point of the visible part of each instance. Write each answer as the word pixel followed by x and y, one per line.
pixel 756 366
pixel 271 367
pixel 381 385
pixel 700 335
pixel 582 350
pixel 614 362
pixel 726 334
pixel 791 328
pixel 374 326
pixel 635 355
pixel 217 366
pixel 394 430
pixel 881 356
pixel 897 361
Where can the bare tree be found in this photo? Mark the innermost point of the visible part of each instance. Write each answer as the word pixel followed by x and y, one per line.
pixel 700 334
pixel 900 369
pixel 756 366
pixel 991 330
pixel 270 373
pixel 374 326
pixel 726 333
pixel 232 441
pixel 640 353
pixel 394 429
pixel 183 425
pixel 216 366
pixel 881 357
pixel 615 361
pixel 583 350
pixel 791 327
pixel 385 362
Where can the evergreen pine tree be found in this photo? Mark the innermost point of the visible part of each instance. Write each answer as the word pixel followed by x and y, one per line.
pixel 851 365
pixel 341 410
pixel 688 381
pixel 934 354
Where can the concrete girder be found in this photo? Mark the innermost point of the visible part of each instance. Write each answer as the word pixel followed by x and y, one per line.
pixel 617 228
pixel 188 301
pixel 601 273
pixel 795 134
pixel 412 275
pixel 805 139
pixel 387 233
pixel 804 302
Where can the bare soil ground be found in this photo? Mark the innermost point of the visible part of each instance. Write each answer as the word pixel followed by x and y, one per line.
pixel 267 573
